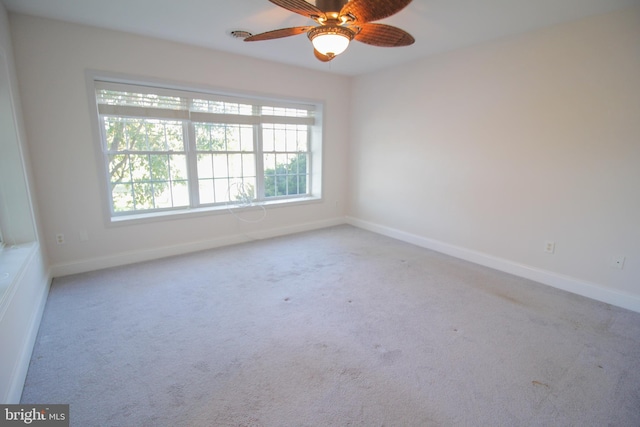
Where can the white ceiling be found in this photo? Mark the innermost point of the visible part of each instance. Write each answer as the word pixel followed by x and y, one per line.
pixel 437 25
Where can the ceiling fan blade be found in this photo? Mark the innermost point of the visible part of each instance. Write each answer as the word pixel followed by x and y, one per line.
pixel 277 34
pixel 321 57
pixel 383 35
pixel 300 7
pixel 373 10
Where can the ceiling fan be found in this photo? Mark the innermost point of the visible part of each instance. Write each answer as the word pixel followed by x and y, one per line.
pixel 341 21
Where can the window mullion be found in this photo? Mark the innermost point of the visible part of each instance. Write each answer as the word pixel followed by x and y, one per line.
pixel 192 163
pixel 106 158
pixel 257 149
pixel 308 163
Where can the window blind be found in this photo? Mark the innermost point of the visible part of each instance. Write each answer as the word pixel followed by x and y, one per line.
pixel 126 100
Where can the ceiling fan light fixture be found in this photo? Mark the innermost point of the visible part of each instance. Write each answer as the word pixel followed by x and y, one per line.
pixel 330 40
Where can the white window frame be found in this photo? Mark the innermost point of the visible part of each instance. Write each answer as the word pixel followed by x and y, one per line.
pixel 97 80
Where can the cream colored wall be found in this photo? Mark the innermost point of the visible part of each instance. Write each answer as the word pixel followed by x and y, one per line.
pixel 51 59
pixel 491 151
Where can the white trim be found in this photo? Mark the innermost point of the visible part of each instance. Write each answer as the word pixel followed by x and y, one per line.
pixel 21 363
pixel 100 109
pixel 125 258
pixel 21 367
pixel 15 263
pixel 556 280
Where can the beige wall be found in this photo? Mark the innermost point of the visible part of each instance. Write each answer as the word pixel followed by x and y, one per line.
pixel 490 151
pixel 52 57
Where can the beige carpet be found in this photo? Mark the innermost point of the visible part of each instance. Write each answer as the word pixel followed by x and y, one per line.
pixel 337 327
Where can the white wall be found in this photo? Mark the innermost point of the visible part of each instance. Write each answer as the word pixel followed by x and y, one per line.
pixel 52 57
pixel 24 279
pixel 490 151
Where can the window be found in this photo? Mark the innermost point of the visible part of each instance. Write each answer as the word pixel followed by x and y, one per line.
pixel 172 150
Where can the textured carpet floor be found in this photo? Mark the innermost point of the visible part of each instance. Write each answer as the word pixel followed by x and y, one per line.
pixel 336 327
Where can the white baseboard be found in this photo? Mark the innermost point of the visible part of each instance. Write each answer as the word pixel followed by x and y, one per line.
pixel 559 281
pixel 133 257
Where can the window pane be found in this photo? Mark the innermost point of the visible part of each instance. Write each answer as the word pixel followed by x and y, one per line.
pixel 209 106
pixel 159 167
pixel 280 141
pixel 142 134
pixel 180 193
pixel 302 184
pixel 205 188
pixel 281 185
pixel 269 164
pixel 122 196
pixel 284 178
pixel 287 112
pixel 205 166
pixel 210 137
pixel 140 167
pixel 242 190
pixel 136 134
pixel 114 131
pixel 220 168
pixel 221 188
pixel 248 165
pixel 178 166
pixel 203 137
pixel 143 195
pixel 162 196
pixel 119 168
pixel 150 180
pixel 268 136
pixel 269 186
pixel 292 138
pixel 233 138
pixel 246 138
pixel 303 139
pixel 235 165
pixel 175 136
pixel 156 136
pixel 111 97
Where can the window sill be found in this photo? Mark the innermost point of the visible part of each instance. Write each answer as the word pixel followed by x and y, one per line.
pixel 13 261
pixel 206 211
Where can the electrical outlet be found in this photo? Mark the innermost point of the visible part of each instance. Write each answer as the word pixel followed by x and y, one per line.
pixel 550 247
pixel 60 239
pixel 617 262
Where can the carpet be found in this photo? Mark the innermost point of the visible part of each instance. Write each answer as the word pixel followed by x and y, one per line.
pixel 334 327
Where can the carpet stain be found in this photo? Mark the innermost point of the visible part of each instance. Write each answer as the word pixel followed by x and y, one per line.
pixel 202 366
pixel 320 346
pixel 538 383
pixel 389 357
pixel 351 373
pixel 508 298
pixel 176 391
